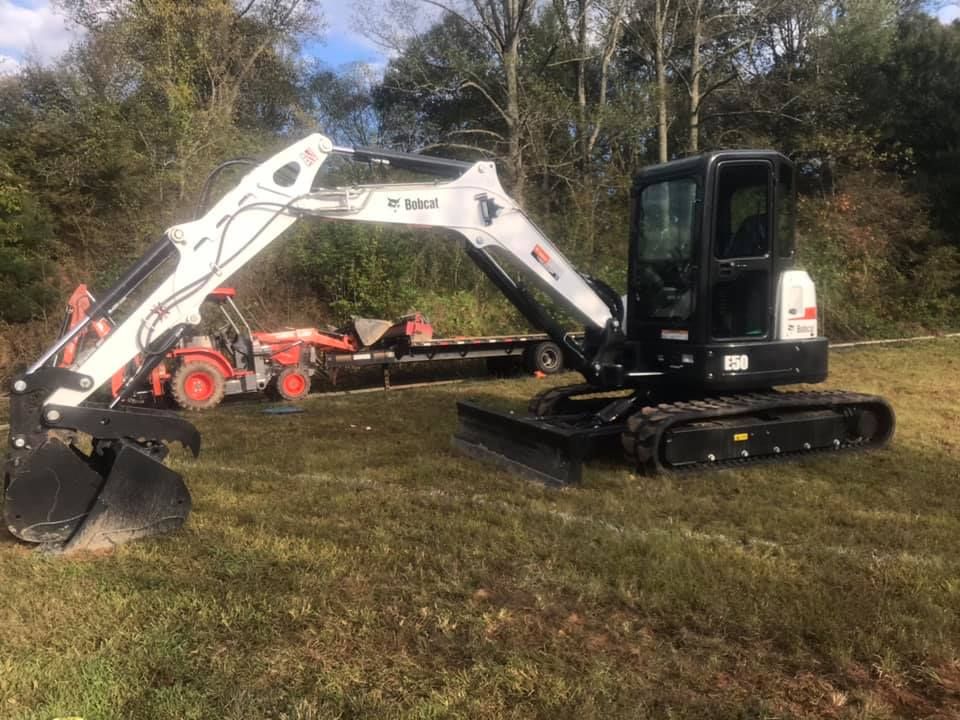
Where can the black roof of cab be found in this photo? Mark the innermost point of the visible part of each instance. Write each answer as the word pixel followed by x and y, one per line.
pixel 702 164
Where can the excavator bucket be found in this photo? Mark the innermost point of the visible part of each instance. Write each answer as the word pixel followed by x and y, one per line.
pixel 551 450
pixel 369 330
pixel 90 478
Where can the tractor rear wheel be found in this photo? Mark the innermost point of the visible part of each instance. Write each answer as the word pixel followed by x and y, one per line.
pixel 197 385
pixel 293 384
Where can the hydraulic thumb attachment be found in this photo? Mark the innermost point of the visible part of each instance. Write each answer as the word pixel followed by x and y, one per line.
pixel 90 477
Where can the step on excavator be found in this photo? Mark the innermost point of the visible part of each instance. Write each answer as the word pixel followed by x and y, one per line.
pixel 684 372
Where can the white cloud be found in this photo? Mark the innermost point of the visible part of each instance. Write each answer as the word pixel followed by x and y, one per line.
pixel 949 13
pixel 8 65
pixel 36 29
pixel 338 16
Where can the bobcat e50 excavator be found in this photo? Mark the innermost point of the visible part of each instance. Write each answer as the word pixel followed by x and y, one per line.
pixel 681 372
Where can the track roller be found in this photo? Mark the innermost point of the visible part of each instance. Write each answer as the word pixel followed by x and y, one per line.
pixel 765 426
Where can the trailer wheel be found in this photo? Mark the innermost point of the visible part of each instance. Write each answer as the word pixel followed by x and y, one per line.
pixel 293 384
pixel 197 385
pixel 545 357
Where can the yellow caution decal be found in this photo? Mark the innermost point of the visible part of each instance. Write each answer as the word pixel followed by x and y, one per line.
pixel 740 437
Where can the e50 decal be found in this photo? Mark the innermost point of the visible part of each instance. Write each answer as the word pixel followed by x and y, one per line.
pixel 736 363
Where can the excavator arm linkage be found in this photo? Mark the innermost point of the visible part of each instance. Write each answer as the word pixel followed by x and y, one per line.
pixel 84 475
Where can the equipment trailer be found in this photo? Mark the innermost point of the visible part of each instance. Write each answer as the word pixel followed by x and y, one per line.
pixel 683 372
pixel 536 352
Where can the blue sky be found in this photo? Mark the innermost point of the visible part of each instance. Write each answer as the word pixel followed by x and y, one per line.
pixel 338 49
pixel 342 44
pixel 34 28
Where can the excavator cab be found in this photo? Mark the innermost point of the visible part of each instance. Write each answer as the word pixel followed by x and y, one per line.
pixel 714 300
pixel 716 317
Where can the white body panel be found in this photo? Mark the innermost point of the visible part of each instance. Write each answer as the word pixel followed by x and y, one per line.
pixel 455 205
pixel 796 306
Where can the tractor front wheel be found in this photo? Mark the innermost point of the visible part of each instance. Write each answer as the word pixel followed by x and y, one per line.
pixel 293 384
pixel 197 385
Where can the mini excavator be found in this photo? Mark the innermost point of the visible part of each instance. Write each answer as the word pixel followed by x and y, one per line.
pixel 683 373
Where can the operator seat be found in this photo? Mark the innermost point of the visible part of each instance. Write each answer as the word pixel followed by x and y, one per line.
pixel 752 238
pixel 243 351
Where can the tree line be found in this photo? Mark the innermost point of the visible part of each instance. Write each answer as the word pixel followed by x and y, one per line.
pixel 103 148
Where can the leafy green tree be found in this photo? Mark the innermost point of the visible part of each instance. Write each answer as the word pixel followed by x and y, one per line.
pixel 437 93
pixel 26 245
pixel 917 103
pixel 571 97
pixel 202 70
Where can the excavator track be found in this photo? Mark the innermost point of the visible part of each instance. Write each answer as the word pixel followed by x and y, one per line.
pixel 739 430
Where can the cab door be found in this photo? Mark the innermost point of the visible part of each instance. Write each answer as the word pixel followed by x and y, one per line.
pixel 664 267
pixel 741 274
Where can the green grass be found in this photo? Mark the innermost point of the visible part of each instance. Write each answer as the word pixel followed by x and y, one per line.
pixel 345 562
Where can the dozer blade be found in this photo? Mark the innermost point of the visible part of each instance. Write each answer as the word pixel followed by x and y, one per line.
pixel 550 450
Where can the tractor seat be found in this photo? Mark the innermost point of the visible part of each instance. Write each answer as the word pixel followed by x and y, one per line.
pixel 243 348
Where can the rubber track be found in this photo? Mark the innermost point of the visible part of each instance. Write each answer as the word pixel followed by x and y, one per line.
pixel 646 428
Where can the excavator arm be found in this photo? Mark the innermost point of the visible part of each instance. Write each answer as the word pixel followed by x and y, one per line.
pixel 84 475
pixel 273 196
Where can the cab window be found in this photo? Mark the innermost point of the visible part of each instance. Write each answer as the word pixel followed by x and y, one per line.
pixel 786 212
pixel 743 225
pixel 742 251
pixel 666 220
pixel 666 237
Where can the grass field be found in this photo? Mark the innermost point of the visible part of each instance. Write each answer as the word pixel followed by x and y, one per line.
pixel 345 563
